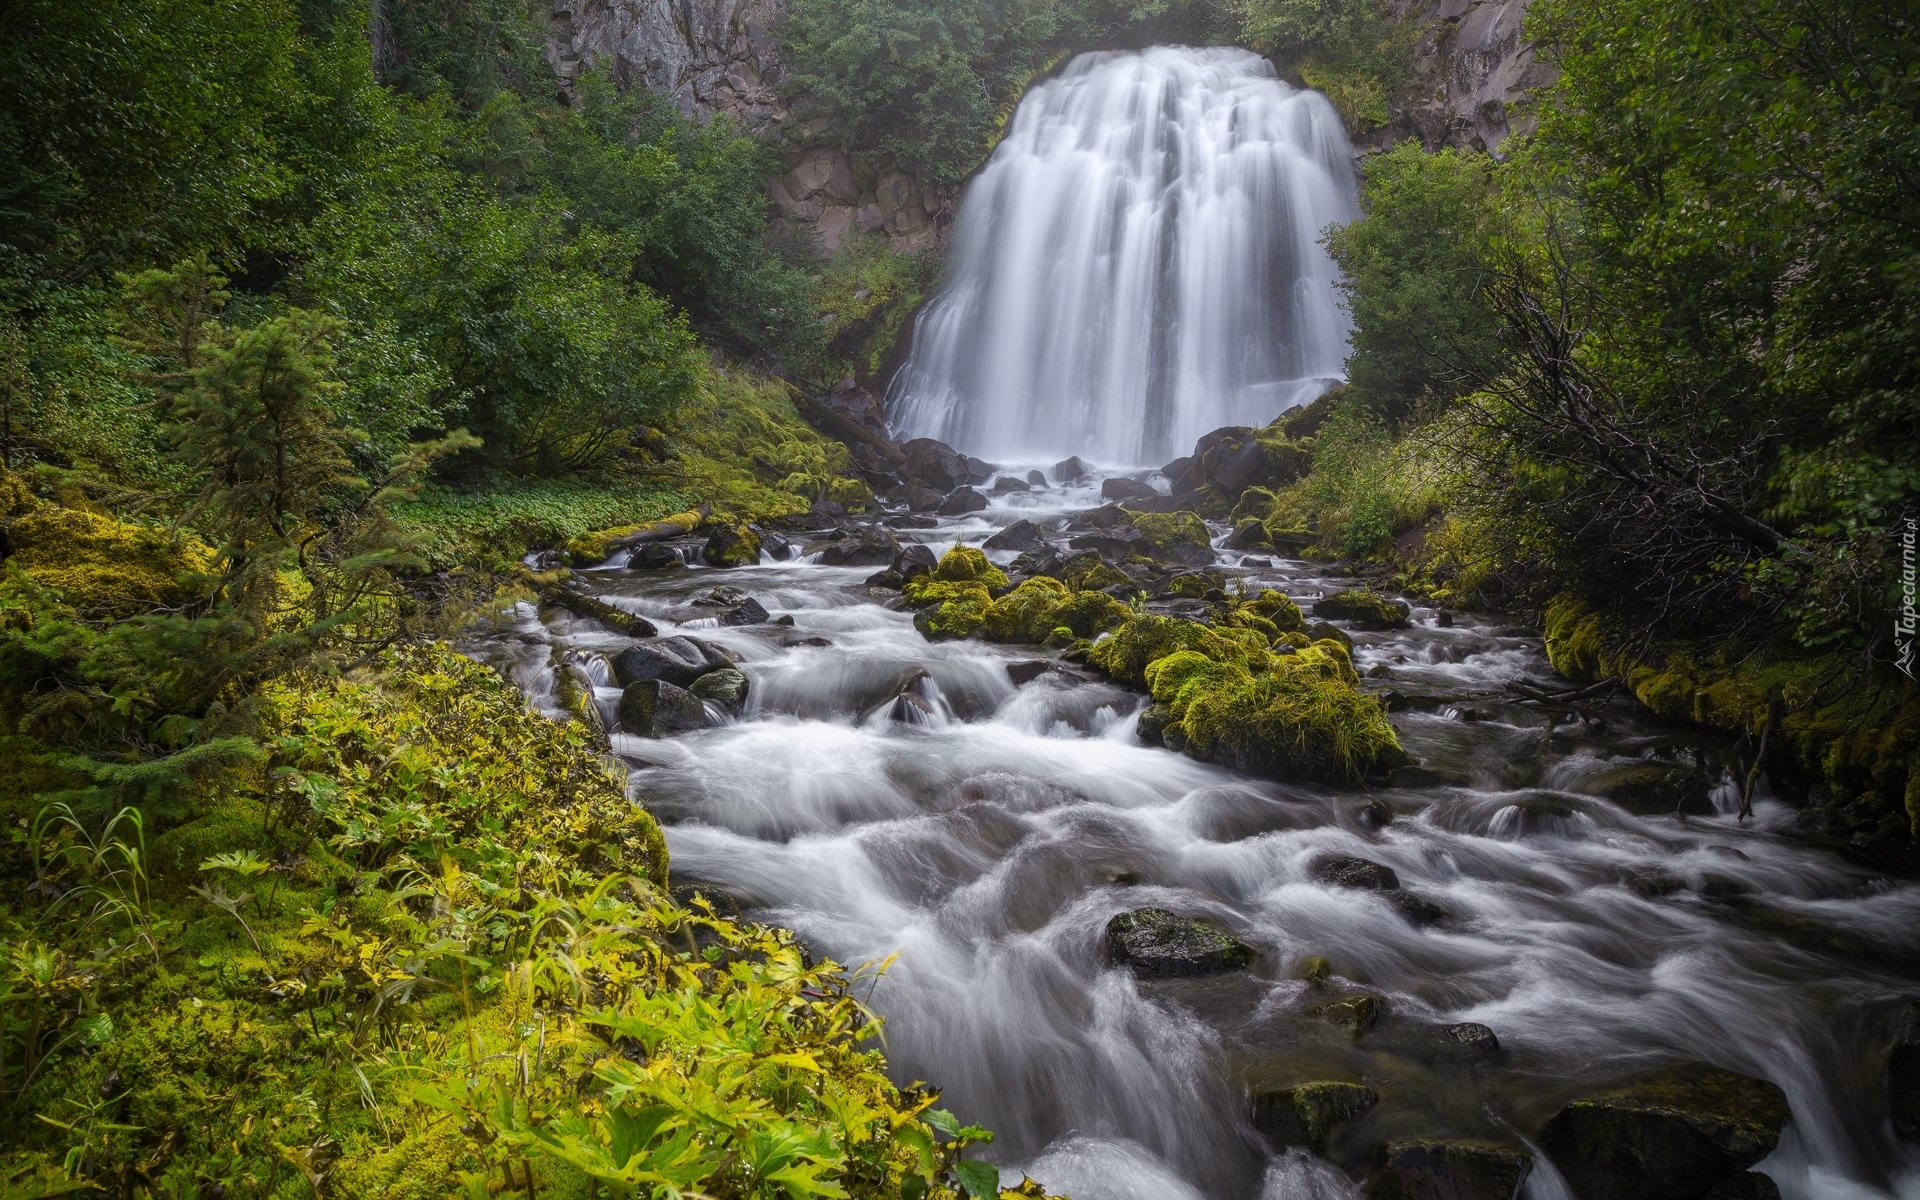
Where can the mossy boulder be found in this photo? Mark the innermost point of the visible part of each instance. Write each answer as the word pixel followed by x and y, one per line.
pixel 1305 1114
pixel 967 564
pixel 594 609
pixel 1147 637
pixel 1177 537
pixel 948 610
pixel 1670 1134
pixel 1157 944
pixel 654 708
pixel 726 687
pixel 1298 715
pixel 854 494
pixel 1448 1170
pixel 594 547
pixel 100 565
pixel 732 546
pixel 1040 606
pixel 1364 608
pixel 1278 608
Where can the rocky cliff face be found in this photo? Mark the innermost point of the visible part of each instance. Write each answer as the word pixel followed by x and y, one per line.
pixel 720 57
pixel 1474 75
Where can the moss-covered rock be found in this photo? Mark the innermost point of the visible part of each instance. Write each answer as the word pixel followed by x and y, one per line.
pixel 855 494
pixel 1363 607
pixel 1671 1134
pixel 100 565
pixel 1040 607
pixel 967 564
pixel 1299 715
pixel 1158 944
pixel 594 547
pixel 1456 1170
pixel 948 610
pixel 1305 1114
pixel 732 546
pixel 1147 637
pixel 1175 537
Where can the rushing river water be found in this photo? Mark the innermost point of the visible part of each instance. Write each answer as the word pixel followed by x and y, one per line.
pixel 987 837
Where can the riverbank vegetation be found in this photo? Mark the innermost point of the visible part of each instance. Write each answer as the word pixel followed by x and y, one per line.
pixel 1656 367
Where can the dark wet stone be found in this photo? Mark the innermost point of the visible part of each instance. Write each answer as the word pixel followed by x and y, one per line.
pixel 1415 777
pixel 747 612
pixel 868 548
pixel 888 578
pixel 1037 478
pixel 726 687
pixel 1110 544
pixel 1903 1074
pixel 1415 909
pixel 1474 1036
pixel 1158 944
pixel 1070 470
pixel 1344 870
pixel 1023 673
pixel 786 620
pixel 1395 702
pixel 915 558
pixel 1375 814
pixel 1356 1014
pixel 1007 483
pixel 656 556
pixel 1020 537
pixel 915 521
pixel 1654 789
pixel 678 660
pixel 1320 629
pixel 832 510
pixel 1122 489
pixel 963 501
pixel 1107 516
pixel 777 547
pixel 1671 1134
pixel 1305 1114
pixel 1363 608
pixel 1747 1185
pixel 655 708
pixel 979 470
pixel 1435 1170
pixel 922 499
pixel 934 464
pixel 1443 619
pixel 1652 883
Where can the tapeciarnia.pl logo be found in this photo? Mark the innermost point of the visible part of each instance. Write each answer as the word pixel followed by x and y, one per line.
pixel 1905 621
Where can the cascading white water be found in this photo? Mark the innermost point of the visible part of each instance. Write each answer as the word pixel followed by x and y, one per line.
pixel 1137 264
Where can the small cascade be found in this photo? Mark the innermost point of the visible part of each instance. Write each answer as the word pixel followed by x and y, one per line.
pixel 1138 263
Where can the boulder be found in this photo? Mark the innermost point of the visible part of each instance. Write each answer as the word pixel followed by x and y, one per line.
pixel 656 556
pixel 914 559
pixel 1107 516
pixel 1474 1036
pixel 1436 1170
pixel 921 499
pixel 1903 1074
pixel 1356 1013
pixel 1120 489
pixel 654 708
pixel 732 546
pixel 1158 944
pixel 1671 1134
pixel 1023 673
pixel 748 612
pixel 1747 1185
pixel 1021 536
pixel 1177 468
pixel 1305 1114
pixel 868 548
pixel 1111 544
pixel 963 501
pixel 778 548
pixel 979 470
pixel 934 464
pixel 1037 478
pixel 1346 871
pixel 677 660
pixel 1007 483
pixel 1248 534
pixel 726 687
pixel 1654 789
pixel 1364 608
pixel 1070 470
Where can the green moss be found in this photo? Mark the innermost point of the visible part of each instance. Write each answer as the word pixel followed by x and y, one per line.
pixel 1174 535
pixel 592 548
pixel 967 564
pixel 1146 637
pixel 1299 715
pixel 1363 607
pixel 1089 572
pixel 1279 608
pixel 948 609
pixel 1043 609
pixel 100 565
pixel 735 545
pixel 855 494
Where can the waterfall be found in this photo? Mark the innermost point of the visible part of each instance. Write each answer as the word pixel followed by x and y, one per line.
pixel 1138 263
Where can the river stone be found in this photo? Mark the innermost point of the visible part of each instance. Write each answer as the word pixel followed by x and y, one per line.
pixel 979 470
pixel 1305 1114
pixel 1121 489
pixel 1158 944
pixel 963 501
pixel 1654 789
pixel 934 464
pixel 1008 483
pixel 914 559
pixel 778 548
pixel 654 708
pixel 1356 1013
pixel 656 556
pixel 1070 470
pixel 726 687
pixel 1107 516
pixel 731 546
pixel 1747 1185
pixel 1318 630
pixel 747 612
pixel 1415 909
pixel 1363 608
pixel 1021 536
pixel 678 660
pixel 1023 673
pixel 1114 543
pixel 868 548
pixel 1346 871
pixel 1433 1170
pixel 1903 1074
pixel 921 499
pixel 1037 478
pixel 1670 1134
pixel 1474 1036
